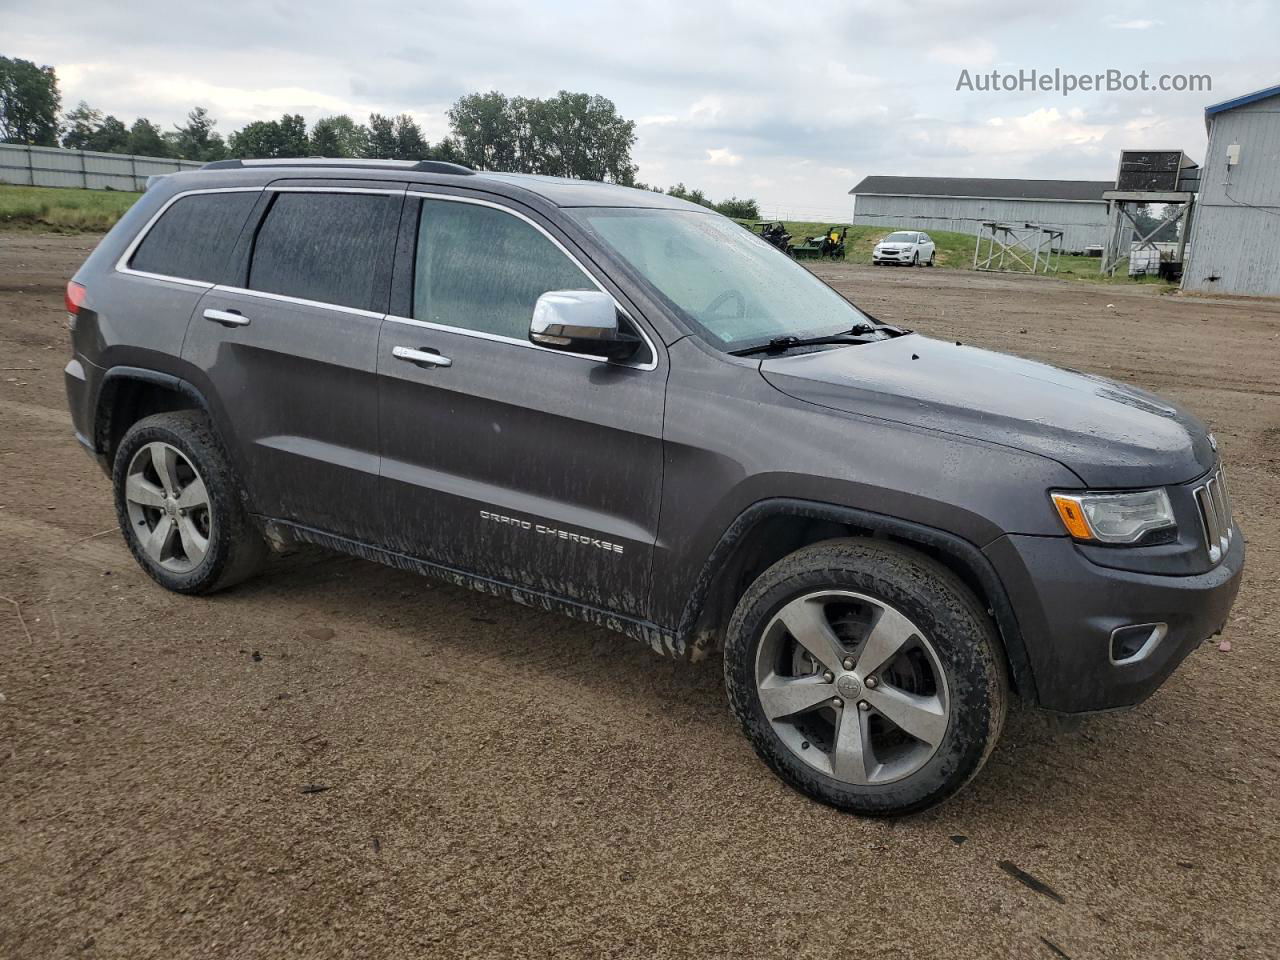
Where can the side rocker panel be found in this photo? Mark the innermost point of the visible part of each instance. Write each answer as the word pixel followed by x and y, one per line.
pixel 658 639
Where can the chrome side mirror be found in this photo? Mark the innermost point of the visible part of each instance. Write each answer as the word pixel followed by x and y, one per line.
pixel 581 321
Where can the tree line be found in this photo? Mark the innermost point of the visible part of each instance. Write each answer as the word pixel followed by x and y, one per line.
pixel 574 135
pixel 733 207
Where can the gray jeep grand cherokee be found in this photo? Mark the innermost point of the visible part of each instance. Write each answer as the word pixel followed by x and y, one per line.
pixel 622 406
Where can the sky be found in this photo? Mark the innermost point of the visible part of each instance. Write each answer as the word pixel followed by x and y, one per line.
pixel 788 102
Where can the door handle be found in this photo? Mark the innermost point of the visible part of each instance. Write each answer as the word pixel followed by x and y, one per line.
pixel 430 357
pixel 228 318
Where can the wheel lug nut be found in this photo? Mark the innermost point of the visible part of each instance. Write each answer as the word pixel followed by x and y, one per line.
pixel 863 705
pixel 848 663
pixel 871 683
pixel 828 677
pixel 837 702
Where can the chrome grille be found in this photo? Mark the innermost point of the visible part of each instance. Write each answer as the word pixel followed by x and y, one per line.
pixel 1215 515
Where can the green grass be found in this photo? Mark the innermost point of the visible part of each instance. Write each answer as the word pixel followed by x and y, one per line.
pixel 1086 268
pixel 62 209
pixel 954 250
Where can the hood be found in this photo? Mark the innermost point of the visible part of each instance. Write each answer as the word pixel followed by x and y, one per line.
pixel 1109 434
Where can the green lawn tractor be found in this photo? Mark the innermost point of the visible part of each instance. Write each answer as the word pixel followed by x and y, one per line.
pixel 830 245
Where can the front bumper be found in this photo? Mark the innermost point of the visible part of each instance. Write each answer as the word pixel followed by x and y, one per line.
pixel 1067 608
pixel 892 257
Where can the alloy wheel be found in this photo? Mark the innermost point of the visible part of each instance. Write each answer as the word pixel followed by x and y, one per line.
pixel 169 507
pixel 852 687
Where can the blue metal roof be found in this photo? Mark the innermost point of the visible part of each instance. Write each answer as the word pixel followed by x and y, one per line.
pixel 1241 101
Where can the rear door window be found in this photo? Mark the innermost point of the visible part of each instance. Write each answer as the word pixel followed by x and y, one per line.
pixel 483 269
pixel 194 236
pixel 321 246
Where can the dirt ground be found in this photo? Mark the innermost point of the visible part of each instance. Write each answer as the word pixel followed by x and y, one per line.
pixel 339 759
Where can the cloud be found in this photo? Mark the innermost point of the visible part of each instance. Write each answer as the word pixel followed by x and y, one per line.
pixel 839 74
pixel 1027 134
pixel 723 157
pixel 798 107
pixel 1117 24
pixel 708 108
pixel 964 53
pixel 175 93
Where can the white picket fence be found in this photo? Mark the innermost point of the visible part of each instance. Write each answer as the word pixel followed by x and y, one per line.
pixel 56 167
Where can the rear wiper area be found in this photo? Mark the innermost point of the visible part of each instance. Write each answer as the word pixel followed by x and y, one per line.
pixel 781 344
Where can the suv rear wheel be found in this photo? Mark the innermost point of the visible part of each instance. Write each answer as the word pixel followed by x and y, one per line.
pixel 867 676
pixel 179 506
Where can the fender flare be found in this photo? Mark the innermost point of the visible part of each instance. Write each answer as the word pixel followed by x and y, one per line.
pixel 111 380
pixel 955 548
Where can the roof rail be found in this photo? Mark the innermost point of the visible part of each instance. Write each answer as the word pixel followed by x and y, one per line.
pixel 411 166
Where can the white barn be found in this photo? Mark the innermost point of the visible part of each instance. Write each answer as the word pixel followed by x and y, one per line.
pixel 962 203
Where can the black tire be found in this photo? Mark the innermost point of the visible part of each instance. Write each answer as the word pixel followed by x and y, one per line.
pixel 961 634
pixel 929 262
pixel 236 548
pixel 915 259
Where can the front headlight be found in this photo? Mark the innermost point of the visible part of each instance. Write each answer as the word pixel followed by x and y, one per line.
pixel 1114 517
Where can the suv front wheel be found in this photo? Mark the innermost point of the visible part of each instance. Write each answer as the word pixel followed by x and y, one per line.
pixel 867 676
pixel 179 505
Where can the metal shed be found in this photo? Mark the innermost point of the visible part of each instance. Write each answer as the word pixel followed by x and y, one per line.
pixel 1075 207
pixel 1235 232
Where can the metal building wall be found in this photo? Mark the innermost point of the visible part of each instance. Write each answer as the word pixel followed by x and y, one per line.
pixel 55 167
pixel 1235 228
pixel 1084 223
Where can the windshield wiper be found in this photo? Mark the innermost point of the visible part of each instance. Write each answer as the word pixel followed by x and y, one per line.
pixel 780 344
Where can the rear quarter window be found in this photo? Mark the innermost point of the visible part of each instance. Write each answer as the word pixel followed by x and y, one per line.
pixel 194 236
pixel 321 246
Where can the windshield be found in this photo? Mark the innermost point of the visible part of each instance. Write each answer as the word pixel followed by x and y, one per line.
pixel 900 238
pixel 736 287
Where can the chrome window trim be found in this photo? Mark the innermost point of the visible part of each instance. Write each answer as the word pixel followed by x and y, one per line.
pixel 122 264
pixel 199 284
pixel 123 267
pixel 385 191
pixel 299 301
pixel 517 342
pixel 498 338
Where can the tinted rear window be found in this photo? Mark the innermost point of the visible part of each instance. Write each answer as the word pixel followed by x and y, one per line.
pixel 192 239
pixel 320 246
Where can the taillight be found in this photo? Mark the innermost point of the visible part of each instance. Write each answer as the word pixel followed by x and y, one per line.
pixel 75 297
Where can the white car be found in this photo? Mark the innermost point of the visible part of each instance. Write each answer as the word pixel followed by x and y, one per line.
pixel 904 246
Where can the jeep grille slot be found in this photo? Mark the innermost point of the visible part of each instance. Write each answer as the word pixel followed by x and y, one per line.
pixel 1215 515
